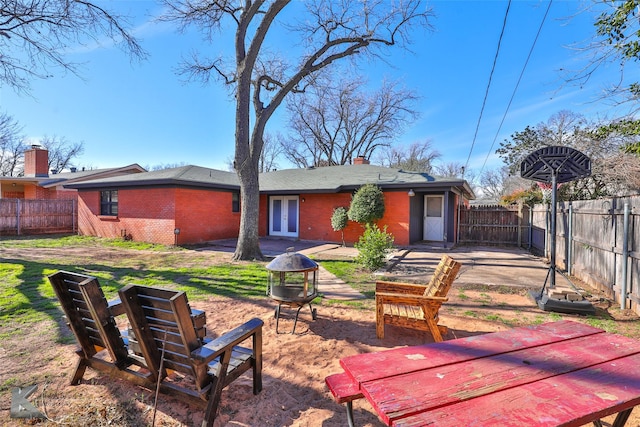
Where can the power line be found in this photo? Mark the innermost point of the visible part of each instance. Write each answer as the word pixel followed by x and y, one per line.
pixel 486 94
pixel 544 18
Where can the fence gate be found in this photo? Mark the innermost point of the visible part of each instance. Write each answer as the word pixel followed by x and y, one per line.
pixel 494 225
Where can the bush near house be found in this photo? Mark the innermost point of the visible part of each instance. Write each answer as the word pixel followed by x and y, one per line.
pixel 374 246
pixel 339 220
pixel 367 205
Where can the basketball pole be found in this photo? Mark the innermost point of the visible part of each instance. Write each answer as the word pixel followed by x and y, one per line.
pixel 554 170
pixel 552 242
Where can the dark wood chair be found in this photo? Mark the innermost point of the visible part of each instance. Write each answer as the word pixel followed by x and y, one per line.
pixel 416 306
pixel 163 330
pixel 91 319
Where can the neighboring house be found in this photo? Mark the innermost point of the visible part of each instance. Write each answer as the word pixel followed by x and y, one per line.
pixel 191 204
pixel 40 183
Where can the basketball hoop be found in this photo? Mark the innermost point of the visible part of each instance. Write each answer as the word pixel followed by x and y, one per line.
pixel 550 166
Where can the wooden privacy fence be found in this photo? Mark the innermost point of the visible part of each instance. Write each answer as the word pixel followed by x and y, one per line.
pixel 495 225
pixel 20 216
pixel 596 240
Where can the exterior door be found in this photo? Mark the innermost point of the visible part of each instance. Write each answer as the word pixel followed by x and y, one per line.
pixel 434 218
pixel 283 216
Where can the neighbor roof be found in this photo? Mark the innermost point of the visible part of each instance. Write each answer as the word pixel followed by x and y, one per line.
pixel 90 174
pixel 77 176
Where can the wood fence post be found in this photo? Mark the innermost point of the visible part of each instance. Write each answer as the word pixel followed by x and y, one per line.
pixel 18 217
pixel 569 240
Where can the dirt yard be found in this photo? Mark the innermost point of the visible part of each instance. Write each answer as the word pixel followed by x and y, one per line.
pixel 294 393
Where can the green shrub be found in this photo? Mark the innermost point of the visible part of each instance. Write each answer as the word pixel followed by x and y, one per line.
pixel 339 220
pixel 367 205
pixel 373 247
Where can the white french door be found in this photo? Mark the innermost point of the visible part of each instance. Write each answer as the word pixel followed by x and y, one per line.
pixel 283 216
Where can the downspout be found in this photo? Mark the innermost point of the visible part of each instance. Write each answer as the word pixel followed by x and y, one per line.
pixel 625 256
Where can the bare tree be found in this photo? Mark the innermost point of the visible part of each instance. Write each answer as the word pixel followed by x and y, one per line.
pixel 163 166
pixel 61 152
pixel 11 146
pixel 337 119
pixel 603 143
pixel 35 34
pixel 496 183
pixel 456 170
pixel 493 183
pixel 271 151
pixel 450 170
pixel 564 128
pixel 417 157
pixel 330 32
pixel 616 43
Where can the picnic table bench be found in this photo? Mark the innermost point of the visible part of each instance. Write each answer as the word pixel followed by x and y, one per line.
pixel 556 374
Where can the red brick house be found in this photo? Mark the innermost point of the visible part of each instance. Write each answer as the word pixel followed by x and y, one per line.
pixel 191 204
pixel 39 182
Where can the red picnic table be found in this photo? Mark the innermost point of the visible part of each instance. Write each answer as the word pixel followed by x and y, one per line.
pixel 556 374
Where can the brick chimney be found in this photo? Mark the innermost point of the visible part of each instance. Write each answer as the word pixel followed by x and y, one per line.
pixel 360 160
pixel 36 161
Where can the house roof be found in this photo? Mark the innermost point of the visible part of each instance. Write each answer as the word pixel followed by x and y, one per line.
pixel 185 175
pixel 330 179
pixel 350 177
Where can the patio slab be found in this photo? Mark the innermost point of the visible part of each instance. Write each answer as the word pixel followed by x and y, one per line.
pixel 481 265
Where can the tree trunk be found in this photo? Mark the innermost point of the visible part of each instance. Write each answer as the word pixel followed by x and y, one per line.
pixel 248 247
pixel 246 158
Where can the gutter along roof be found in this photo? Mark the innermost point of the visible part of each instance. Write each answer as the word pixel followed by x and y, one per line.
pixel 329 179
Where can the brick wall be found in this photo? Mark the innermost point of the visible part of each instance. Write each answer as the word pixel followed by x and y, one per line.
pixel 63 194
pixel 396 216
pixel 143 215
pixel 316 211
pixel 36 162
pixel 13 195
pixel 36 192
pixel 203 215
pixel 152 215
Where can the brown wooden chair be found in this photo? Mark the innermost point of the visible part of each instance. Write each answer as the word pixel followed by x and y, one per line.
pixel 91 319
pixel 413 305
pixel 163 331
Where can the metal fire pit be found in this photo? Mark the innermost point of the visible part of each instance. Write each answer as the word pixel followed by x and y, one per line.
pixel 293 281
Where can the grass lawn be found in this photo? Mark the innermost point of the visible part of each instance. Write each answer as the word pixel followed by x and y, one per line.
pixel 27 297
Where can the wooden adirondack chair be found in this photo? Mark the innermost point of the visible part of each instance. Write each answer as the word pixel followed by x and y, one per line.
pixel 91 318
pixel 413 305
pixel 163 331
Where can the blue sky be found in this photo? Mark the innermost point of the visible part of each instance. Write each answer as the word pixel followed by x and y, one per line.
pixel 145 113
